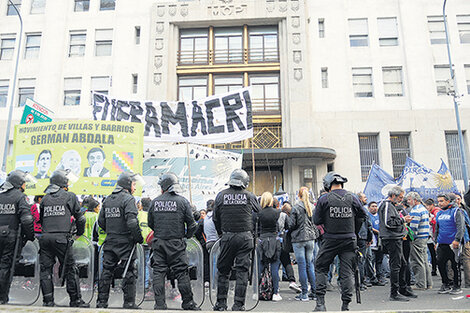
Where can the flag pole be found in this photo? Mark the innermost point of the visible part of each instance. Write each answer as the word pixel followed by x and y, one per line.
pixel 253 163
pixel 189 174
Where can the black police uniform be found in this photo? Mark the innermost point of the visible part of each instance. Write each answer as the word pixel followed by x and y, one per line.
pixel 118 218
pixel 56 211
pixel 14 209
pixel 342 215
pixel 171 218
pixel 233 219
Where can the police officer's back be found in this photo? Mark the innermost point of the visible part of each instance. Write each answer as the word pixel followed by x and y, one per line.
pixel 118 218
pixel 171 219
pixel 14 210
pixel 233 219
pixel 56 210
pixel 341 214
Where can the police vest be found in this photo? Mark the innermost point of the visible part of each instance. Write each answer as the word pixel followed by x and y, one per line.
pixel 91 218
pixel 236 211
pixel 142 216
pixel 168 214
pixel 339 217
pixel 114 211
pixel 56 215
pixel 447 227
pixel 9 208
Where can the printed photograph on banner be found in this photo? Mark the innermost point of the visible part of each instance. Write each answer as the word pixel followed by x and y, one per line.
pixel 97 152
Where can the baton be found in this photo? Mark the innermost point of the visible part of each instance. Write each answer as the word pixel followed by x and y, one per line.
pixel 356 278
pixel 15 255
pixel 67 251
pixel 128 263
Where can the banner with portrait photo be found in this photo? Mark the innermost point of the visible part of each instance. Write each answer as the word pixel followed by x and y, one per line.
pixel 216 119
pixel 210 170
pixel 97 152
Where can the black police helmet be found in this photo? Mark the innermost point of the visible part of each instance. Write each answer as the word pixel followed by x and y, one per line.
pixel 333 178
pixel 59 178
pixel 125 180
pixel 16 179
pixel 169 182
pixel 239 178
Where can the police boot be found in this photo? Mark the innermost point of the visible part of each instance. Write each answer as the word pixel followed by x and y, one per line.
pixel 130 305
pixel 190 306
pixel 320 307
pixel 345 306
pixel 220 306
pixel 79 304
pixel 101 305
pixel 48 300
pixel 238 307
pixel 160 306
pixel 3 292
pixel 129 296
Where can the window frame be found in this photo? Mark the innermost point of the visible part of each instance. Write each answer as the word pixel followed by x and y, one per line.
pixel 4 88
pixel 453 153
pixel 26 89
pixel 194 54
pixel 265 100
pixel 11 10
pixel 105 5
pixel 68 93
pixel 358 37
pixel 464 28
pixel 29 49
pixel 265 56
pixel 435 20
pixel 84 5
pixel 398 161
pixel 391 68
pixel 367 154
pixel 41 10
pixel 440 87
pixel 231 56
pixel 354 83
pixel 384 37
pixel 80 45
pixel 101 43
pixel 193 97
pixel 9 49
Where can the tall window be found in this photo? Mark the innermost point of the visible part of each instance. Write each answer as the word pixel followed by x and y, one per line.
pixel 7 47
pixel 137 35
pixel 228 45
pixel 362 82
pixel 104 42
pixel 81 5
pixel 194 46
pixel 324 77
pixel 467 76
pixel 192 87
pixel 358 32
pixel 106 5
pixel 3 92
pixel 265 95
pixel 393 81
pixel 77 43
pixel 453 154
pixel 388 31
pixel 263 44
pixel 442 74
pixel 463 23
pixel 227 83
pixel 436 29
pixel 33 44
pixel 135 82
pixel 369 153
pixel 401 149
pixel 72 91
pixel 321 28
pixel 25 90
pixel 38 6
pixel 100 84
pixel 10 9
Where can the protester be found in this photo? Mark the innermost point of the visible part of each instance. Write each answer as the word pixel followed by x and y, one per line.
pixel 432 210
pixel 269 244
pixel 377 277
pixel 35 213
pixel 392 230
pixel 56 210
pixel 419 256
pixel 209 227
pixel 233 218
pixel 465 254
pixel 15 212
pixel 364 240
pixel 171 219
pixel 118 218
pixel 142 216
pixel 342 215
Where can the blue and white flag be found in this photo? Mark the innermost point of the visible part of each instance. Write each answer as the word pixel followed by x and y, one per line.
pixel 378 183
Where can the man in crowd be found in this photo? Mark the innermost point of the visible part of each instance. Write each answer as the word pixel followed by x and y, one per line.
pixel 432 210
pixel 171 219
pixel 465 257
pixel 342 215
pixel 118 218
pixel 450 229
pixel 14 213
pixel 56 210
pixel 419 255
pixel 364 240
pixel 392 230
pixel 233 218
pixel 376 257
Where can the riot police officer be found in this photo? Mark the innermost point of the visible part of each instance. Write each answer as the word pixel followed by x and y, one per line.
pixel 233 219
pixel 56 210
pixel 14 210
pixel 171 219
pixel 342 215
pixel 118 218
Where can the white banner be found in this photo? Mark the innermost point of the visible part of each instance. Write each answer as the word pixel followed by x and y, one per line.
pixel 216 119
pixel 210 170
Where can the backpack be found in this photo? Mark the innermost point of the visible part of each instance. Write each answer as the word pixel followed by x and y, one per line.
pixel 266 289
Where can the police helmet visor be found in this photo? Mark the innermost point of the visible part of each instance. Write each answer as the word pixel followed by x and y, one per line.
pixel 30 178
pixel 139 180
pixel 71 177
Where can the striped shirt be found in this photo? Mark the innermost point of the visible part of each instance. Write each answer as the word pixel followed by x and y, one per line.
pixel 420 222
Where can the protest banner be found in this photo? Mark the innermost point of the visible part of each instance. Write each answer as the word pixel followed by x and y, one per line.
pixel 210 170
pixel 415 177
pixel 95 151
pixel 216 119
pixel 35 113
